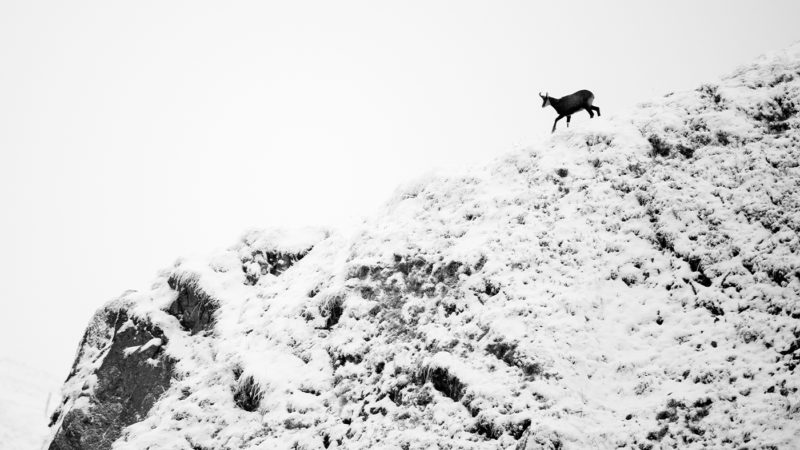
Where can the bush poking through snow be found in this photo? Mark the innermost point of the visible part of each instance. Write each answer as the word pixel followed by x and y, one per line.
pixel 660 147
pixel 509 354
pixel 776 112
pixel 193 308
pixel 274 263
pixel 444 382
pixel 332 309
pixel 247 394
pixel 683 424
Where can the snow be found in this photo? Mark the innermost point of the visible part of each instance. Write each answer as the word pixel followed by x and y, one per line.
pixel 27 395
pixel 624 283
pixel 155 342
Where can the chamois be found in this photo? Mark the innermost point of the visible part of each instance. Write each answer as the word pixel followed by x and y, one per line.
pixel 570 104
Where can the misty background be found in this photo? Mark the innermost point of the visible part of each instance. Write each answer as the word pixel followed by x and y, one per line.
pixel 132 133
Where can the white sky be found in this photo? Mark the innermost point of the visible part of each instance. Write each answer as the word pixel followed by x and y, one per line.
pixel 132 133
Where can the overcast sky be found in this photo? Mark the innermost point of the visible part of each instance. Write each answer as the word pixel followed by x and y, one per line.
pixel 132 133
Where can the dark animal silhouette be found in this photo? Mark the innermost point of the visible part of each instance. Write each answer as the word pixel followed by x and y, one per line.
pixel 570 104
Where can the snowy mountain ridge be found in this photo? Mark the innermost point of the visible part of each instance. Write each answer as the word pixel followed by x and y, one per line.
pixel 627 284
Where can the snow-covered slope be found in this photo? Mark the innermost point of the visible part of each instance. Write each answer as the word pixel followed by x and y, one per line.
pixel 24 396
pixel 628 283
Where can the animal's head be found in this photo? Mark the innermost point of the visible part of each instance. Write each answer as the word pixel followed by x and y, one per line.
pixel 545 99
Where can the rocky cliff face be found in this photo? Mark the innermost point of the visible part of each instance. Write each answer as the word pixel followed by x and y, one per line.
pixel 122 370
pixel 629 283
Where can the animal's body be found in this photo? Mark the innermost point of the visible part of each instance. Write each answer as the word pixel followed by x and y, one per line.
pixel 568 105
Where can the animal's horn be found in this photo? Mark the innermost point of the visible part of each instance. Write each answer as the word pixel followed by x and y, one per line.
pixel 540 95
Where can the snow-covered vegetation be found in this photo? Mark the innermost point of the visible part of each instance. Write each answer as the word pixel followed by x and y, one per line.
pixel 628 283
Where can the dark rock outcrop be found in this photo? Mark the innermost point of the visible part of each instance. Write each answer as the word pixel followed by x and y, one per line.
pixel 133 373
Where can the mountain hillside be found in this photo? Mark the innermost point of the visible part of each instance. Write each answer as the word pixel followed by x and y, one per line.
pixel 628 283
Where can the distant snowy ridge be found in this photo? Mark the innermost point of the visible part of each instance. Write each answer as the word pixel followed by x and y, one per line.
pixel 24 396
pixel 629 283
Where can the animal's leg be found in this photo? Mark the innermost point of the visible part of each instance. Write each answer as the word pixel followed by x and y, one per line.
pixel 596 109
pixel 589 110
pixel 568 118
pixel 555 122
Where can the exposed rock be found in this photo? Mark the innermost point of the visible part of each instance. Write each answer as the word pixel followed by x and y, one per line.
pixel 131 373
